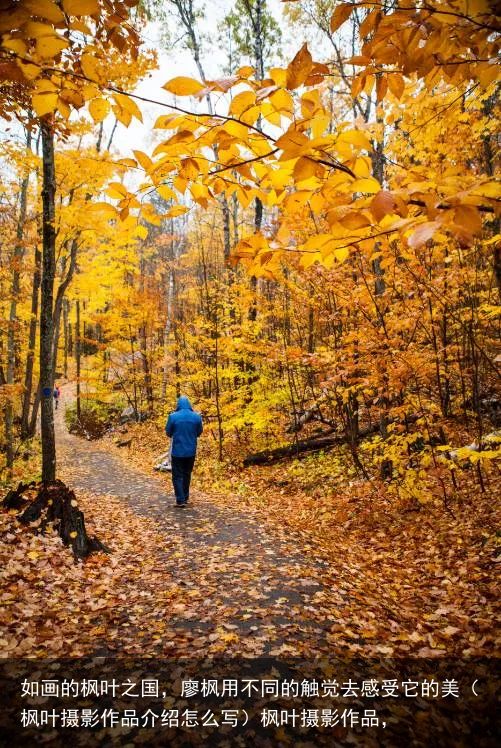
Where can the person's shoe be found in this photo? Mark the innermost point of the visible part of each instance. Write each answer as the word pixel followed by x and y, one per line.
pixel 180 504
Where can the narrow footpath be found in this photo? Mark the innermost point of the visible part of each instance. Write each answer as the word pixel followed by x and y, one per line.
pixel 235 572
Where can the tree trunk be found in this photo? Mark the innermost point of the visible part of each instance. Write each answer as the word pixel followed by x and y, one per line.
pixel 217 386
pixel 257 24
pixel 46 306
pixel 146 368
pixel 167 330
pixel 226 230
pixel 26 432
pixel 58 305
pixel 78 348
pixel 490 159
pixel 13 321
pixel 65 331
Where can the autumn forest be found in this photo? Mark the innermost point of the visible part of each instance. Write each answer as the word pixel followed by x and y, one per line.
pixel 288 212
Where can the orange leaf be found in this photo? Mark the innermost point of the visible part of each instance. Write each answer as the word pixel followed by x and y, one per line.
pixel 340 15
pixel 299 69
pixel 382 204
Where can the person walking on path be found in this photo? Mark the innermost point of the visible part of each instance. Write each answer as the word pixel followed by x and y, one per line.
pixel 184 426
pixel 57 395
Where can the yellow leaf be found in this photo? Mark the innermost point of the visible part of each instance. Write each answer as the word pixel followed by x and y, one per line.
pixel 282 101
pixel 80 7
pixel 354 220
pixel 88 63
pixel 308 258
pixel 340 15
pixel 144 160
pixel 279 76
pixel 368 185
pixel 90 91
pixel 200 194
pixel 103 209
pixel 182 86
pixel 43 85
pixel 116 190
pixel 128 162
pixel 166 192
pixel 229 638
pixel 341 254
pixel 324 243
pixel 128 104
pixel 487 72
pixel 355 137
pixel 242 102
pixel 33 554
pixel 50 46
pixel 292 143
pixel 15 45
pixel 176 210
pixel 236 129
pixel 122 115
pixel 73 534
pixel 99 109
pixel 488 189
pixel 29 71
pixel 279 178
pixel 45 9
pixel 44 103
pixel 142 232
pixel 189 169
pixel 35 29
pixel 164 121
pixel 304 169
pixel 150 215
pixel 63 108
pixel 245 71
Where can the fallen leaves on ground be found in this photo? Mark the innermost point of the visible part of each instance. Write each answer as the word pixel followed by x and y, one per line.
pixel 416 580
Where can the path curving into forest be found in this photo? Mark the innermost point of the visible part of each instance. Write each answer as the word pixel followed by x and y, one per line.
pixel 236 572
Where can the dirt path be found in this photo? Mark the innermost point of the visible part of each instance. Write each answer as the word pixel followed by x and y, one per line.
pixel 236 573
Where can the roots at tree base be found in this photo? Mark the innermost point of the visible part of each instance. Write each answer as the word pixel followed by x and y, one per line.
pixel 55 504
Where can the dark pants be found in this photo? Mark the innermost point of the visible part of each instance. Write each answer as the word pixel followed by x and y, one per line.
pixel 181 477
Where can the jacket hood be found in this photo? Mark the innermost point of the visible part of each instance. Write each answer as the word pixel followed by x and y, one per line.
pixel 183 403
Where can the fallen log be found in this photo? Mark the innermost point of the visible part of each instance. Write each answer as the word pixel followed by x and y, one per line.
pixel 327 440
pixel 56 505
pixel 315 444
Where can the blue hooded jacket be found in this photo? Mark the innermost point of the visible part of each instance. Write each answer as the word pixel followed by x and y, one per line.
pixel 184 426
